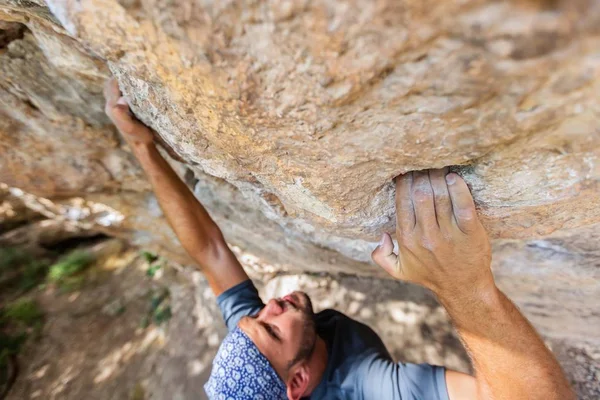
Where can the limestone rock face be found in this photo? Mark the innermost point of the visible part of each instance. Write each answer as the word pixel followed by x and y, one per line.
pixel 289 119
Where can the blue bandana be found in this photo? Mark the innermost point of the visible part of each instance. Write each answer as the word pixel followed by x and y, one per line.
pixel 241 372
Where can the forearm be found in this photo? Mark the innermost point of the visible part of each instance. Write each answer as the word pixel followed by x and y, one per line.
pixel 444 247
pixel 510 359
pixel 195 229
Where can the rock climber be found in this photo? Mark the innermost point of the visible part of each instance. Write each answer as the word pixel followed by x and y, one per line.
pixel 283 350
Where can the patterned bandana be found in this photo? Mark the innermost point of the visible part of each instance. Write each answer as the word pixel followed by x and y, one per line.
pixel 241 372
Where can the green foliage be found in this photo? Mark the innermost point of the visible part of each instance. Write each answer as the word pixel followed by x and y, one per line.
pixel 18 320
pixel 22 316
pixel 10 256
pixel 19 272
pixel 159 310
pixel 69 265
pixel 151 271
pixel 162 314
pixel 149 257
pixel 23 310
pixel 65 271
pixel 33 273
pixel 158 298
pixel 155 263
pixel 138 392
pixel 19 269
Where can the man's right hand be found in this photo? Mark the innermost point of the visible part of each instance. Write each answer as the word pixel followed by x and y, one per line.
pixel 117 109
pixel 442 244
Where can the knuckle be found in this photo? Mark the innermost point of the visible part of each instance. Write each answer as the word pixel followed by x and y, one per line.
pixel 124 127
pixel 442 196
pixel 429 242
pixel 466 216
pixel 422 195
pixel 376 255
pixel 127 130
pixel 466 213
pixel 405 241
pixel 405 219
pixel 469 228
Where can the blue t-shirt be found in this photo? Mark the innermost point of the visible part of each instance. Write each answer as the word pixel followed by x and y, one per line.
pixel 359 366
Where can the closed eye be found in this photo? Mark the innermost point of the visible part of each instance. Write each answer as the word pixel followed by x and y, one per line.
pixel 271 331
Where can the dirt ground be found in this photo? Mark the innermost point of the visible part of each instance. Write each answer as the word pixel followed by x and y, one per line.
pixel 97 343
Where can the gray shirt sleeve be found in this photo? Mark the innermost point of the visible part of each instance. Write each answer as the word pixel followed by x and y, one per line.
pixel 239 301
pixel 383 379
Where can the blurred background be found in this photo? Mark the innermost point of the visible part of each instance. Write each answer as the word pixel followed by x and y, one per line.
pixel 288 120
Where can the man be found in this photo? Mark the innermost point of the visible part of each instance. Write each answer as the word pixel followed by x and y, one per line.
pixel 283 350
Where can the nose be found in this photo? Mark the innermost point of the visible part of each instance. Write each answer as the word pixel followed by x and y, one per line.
pixel 273 308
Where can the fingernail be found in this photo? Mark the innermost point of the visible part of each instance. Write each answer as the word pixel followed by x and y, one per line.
pixel 382 239
pixel 122 101
pixel 451 178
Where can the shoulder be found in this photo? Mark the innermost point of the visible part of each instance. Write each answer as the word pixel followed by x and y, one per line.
pixel 383 378
pixel 239 301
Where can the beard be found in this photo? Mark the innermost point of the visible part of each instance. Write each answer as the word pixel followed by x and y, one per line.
pixel 308 307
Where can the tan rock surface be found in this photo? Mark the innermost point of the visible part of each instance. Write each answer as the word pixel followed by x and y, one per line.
pixel 312 108
pixel 290 119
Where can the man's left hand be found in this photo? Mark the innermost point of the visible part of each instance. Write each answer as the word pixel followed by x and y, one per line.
pixel 117 109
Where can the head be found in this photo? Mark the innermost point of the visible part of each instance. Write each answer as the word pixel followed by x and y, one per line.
pixel 284 333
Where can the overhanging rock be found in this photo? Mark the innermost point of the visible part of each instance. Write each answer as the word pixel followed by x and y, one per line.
pixel 291 118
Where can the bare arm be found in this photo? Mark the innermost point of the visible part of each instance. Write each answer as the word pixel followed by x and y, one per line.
pixel 444 247
pixel 195 229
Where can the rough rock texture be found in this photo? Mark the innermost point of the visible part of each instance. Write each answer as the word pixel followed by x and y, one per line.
pixel 290 118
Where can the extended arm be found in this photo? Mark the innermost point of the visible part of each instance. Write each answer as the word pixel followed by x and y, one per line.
pixel 444 247
pixel 197 232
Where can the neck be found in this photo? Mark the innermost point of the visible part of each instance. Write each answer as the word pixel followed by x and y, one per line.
pixel 317 365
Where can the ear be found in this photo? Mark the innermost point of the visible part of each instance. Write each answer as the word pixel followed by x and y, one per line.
pixel 297 382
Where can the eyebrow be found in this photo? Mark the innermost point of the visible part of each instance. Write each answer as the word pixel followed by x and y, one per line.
pixel 270 330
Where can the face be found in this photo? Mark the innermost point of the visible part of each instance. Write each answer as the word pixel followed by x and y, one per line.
pixel 284 330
